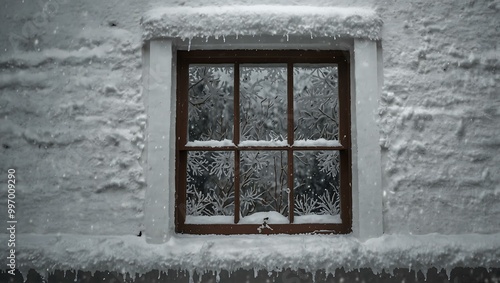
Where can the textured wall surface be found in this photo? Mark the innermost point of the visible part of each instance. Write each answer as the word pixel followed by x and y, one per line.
pixel 440 116
pixel 72 115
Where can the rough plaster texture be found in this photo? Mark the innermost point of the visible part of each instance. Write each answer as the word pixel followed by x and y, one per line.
pixel 440 116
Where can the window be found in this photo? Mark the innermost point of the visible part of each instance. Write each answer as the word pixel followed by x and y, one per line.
pixel 171 30
pixel 263 142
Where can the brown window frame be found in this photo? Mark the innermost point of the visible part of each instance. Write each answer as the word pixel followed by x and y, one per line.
pixel 288 57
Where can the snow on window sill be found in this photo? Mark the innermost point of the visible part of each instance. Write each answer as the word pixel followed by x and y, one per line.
pixel 273 143
pixel 273 217
pixel 234 20
pixel 313 218
pixel 50 252
pixel 204 219
pixel 210 143
pixel 318 142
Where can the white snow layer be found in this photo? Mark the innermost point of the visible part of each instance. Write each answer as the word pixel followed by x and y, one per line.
pixel 209 219
pixel 221 21
pixel 131 254
pixel 211 143
pixel 314 218
pixel 257 218
pixel 273 217
pixel 273 143
pixel 318 142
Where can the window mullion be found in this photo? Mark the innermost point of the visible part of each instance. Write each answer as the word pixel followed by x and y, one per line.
pixel 236 135
pixel 290 126
pixel 236 141
pixel 289 92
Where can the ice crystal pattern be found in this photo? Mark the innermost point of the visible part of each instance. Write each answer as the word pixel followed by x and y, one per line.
pixel 210 186
pixel 210 104
pixel 263 106
pixel 316 183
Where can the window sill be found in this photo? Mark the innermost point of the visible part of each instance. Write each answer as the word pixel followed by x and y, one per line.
pixel 203 253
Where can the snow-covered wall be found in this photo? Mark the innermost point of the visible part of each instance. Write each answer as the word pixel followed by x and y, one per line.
pixel 72 114
pixel 440 116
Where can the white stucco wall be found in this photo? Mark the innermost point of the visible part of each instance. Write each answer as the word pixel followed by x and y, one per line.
pixel 72 115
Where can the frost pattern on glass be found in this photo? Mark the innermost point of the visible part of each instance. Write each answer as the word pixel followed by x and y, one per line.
pixel 211 103
pixel 263 102
pixel 315 102
pixel 263 181
pixel 316 181
pixel 210 183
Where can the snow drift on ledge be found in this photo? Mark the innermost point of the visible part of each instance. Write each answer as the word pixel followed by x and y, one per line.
pixel 221 21
pixel 131 254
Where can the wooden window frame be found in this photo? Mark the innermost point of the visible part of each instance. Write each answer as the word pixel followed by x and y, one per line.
pixel 288 57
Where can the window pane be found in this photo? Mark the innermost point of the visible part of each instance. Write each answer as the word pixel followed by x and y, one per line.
pixel 263 102
pixel 316 182
pixel 210 187
pixel 211 103
pixel 264 190
pixel 315 90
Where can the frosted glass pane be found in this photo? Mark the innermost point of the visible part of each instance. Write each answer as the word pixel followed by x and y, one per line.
pixel 263 180
pixel 211 103
pixel 315 102
pixel 210 183
pixel 316 183
pixel 263 102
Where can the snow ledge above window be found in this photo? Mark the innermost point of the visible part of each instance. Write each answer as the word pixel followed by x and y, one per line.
pixel 221 21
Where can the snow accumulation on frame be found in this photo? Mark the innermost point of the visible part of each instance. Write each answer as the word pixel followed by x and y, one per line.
pixel 214 143
pixel 318 142
pixel 131 254
pixel 221 21
pixel 211 143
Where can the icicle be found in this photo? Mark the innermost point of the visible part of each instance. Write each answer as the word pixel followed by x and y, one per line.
pixel 76 275
pixel 313 276
pixel 189 44
pixel 237 36
pixel 217 276
pixel 448 272
pixel 191 279
pixel 255 273
pixel 224 38
pixel 311 34
pixel 287 38
pixel 22 269
pixel 159 274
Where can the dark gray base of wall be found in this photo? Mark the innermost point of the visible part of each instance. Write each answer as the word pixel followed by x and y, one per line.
pixel 458 275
